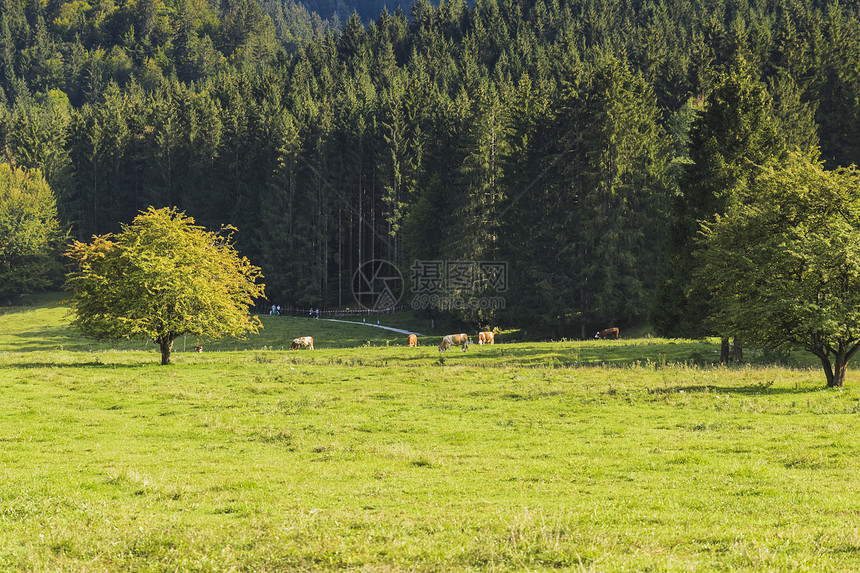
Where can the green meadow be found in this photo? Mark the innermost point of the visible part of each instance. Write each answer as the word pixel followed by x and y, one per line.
pixel 367 455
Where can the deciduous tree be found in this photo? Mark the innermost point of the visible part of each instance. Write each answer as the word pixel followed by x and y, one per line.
pixel 30 234
pixel 162 277
pixel 784 265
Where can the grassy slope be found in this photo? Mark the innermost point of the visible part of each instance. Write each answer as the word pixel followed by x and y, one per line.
pixel 42 325
pixel 587 456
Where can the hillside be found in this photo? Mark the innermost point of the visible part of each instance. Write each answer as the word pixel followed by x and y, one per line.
pixel 576 145
pixel 41 323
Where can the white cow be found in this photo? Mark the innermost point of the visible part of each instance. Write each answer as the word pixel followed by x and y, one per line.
pixel 461 340
pixel 302 342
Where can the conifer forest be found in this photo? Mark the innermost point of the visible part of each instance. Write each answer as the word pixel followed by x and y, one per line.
pixel 580 142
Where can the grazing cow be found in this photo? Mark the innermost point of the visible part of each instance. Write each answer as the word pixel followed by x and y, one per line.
pixel 486 338
pixel 461 340
pixel 198 349
pixel 607 333
pixel 302 342
pixel 413 341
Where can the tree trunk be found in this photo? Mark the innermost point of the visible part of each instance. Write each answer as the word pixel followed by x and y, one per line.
pixel 724 350
pixel 737 351
pixel 839 376
pixel 835 372
pixel 840 366
pixel 166 348
pixel 828 369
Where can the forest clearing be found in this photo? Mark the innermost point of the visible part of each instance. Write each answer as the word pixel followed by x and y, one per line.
pixel 369 455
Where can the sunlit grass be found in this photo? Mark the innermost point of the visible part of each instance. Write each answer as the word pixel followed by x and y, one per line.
pixel 594 456
pixel 42 324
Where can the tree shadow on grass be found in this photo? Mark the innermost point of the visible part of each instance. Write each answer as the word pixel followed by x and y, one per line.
pixel 90 364
pixel 748 390
pixel 640 352
pixel 586 354
pixel 29 303
pixel 11 310
pixel 51 338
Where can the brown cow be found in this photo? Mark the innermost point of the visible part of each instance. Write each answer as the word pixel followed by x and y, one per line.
pixel 461 340
pixel 198 348
pixel 486 338
pixel 413 341
pixel 607 333
pixel 302 342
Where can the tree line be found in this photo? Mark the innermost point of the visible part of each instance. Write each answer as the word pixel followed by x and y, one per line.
pixel 579 142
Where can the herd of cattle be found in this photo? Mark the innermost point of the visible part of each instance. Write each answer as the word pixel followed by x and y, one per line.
pixel 461 340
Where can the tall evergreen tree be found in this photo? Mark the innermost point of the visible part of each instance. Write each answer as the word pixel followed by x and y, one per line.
pixel 735 133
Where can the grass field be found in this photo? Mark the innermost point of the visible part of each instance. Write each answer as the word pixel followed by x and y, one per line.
pixel 632 455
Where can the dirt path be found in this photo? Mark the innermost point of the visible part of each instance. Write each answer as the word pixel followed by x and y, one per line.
pixel 400 330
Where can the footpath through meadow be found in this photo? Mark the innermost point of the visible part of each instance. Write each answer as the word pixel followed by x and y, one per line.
pixel 400 330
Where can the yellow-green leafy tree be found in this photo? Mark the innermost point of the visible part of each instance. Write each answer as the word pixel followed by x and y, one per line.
pixel 162 277
pixel 784 262
pixel 30 234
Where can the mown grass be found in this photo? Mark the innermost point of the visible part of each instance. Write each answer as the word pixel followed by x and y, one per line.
pixel 591 456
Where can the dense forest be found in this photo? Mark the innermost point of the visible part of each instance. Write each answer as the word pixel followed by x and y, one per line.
pixel 579 141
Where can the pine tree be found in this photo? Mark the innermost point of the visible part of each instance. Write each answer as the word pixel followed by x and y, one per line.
pixel 614 204
pixel 735 133
pixel 7 55
pixel 37 137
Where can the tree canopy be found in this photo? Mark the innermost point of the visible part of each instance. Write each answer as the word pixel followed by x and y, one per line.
pixel 30 233
pixel 580 142
pixel 734 131
pixel 784 264
pixel 161 277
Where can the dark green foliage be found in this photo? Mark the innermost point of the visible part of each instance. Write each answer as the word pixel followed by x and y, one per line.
pixel 735 132
pixel 599 248
pixel 580 142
